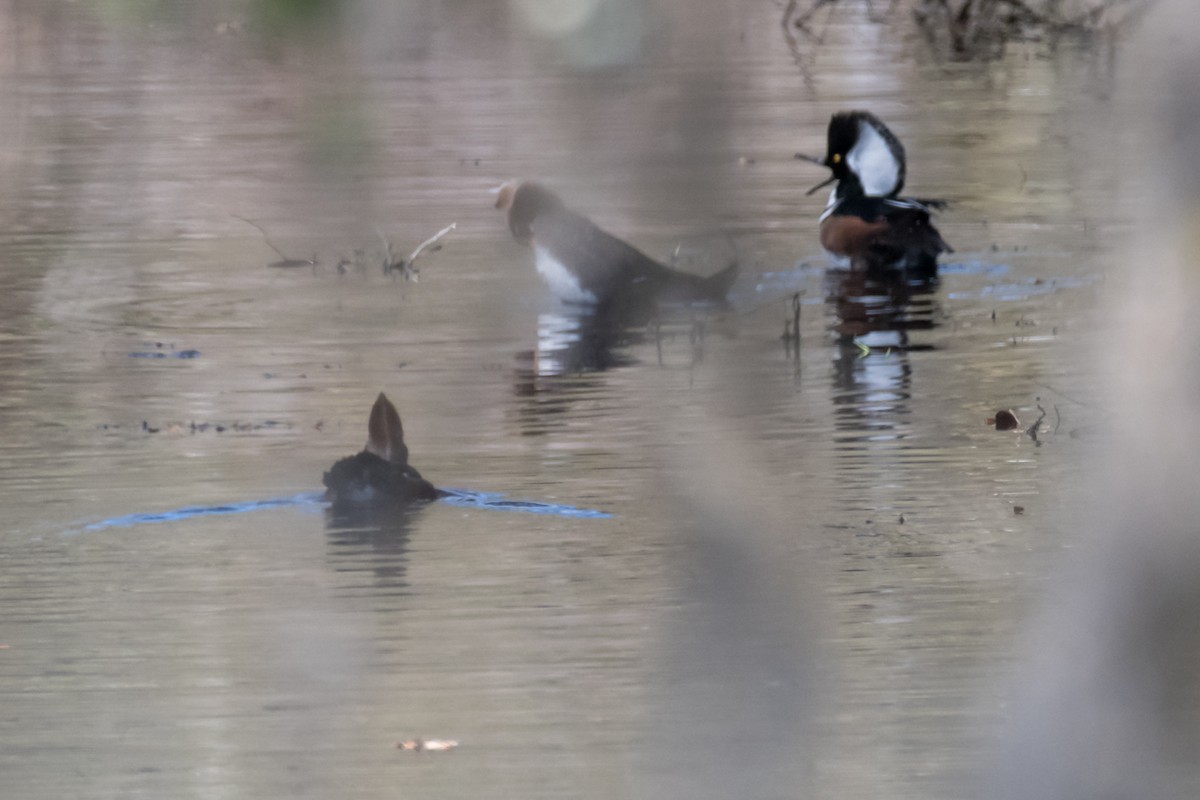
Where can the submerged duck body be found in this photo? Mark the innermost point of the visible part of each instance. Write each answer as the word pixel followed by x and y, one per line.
pixel 380 474
pixel 583 264
pixel 867 223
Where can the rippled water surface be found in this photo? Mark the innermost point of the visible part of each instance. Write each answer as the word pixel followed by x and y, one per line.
pixel 151 361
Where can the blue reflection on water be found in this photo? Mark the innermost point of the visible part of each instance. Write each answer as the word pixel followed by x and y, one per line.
pixel 455 497
pixel 494 501
pixel 187 512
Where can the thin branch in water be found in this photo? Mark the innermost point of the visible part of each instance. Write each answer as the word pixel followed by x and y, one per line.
pixel 791 329
pixel 1033 429
pixel 286 260
pixel 431 244
pixel 1075 400
pixel 387 252
pixel 405 265
pixel 431 241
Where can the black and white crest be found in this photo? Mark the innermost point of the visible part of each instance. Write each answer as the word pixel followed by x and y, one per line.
pixel 872 153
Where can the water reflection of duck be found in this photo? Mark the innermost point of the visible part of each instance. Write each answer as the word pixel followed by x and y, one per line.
pixel 583 264
pixel 880 308
pixel 577 343
pixel 873 315
pixel 584 339
pixel 867 224
pixel 370 540
pixel 380 475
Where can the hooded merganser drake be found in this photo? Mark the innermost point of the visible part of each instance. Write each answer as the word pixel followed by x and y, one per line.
pixel 380 474
pixel 584 265
pixel 867 222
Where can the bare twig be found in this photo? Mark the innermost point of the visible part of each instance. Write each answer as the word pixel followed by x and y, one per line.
pixel 1033 429
pixel 405 265
pixel 387 252
pixel 286 261
pixel 431 241
pixel 791 329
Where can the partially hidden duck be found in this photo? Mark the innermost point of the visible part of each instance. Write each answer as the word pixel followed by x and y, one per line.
pixel 379 475
pixel 585 265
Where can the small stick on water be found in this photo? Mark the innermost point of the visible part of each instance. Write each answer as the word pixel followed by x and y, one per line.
pixel 286 261
pixel 1033 429
pixel 406 265
pixel 796 317
pixel 426 245
pixel 387 252
pixel 656 325
pixel 791 328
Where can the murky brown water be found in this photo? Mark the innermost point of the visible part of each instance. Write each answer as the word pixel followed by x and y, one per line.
pixel 266 654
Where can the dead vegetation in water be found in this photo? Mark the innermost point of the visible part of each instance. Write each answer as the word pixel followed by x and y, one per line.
pixel 360 259
pixel 967 30
pixel 405 265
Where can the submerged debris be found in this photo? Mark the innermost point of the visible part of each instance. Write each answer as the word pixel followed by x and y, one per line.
pixel 178 427
pixel 292 263
pixel 427 745
pixel 184 354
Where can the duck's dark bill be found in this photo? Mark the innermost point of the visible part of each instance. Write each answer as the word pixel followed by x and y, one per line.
pixel 822 184
pixel 814 159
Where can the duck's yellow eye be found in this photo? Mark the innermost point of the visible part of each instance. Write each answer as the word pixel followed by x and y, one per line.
pixel 837 158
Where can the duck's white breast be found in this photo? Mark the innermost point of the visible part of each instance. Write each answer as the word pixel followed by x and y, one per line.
pixel 561 280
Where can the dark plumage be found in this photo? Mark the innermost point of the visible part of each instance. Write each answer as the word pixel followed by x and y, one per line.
pixel 380 474
pixel 883 234
pixel 584 264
